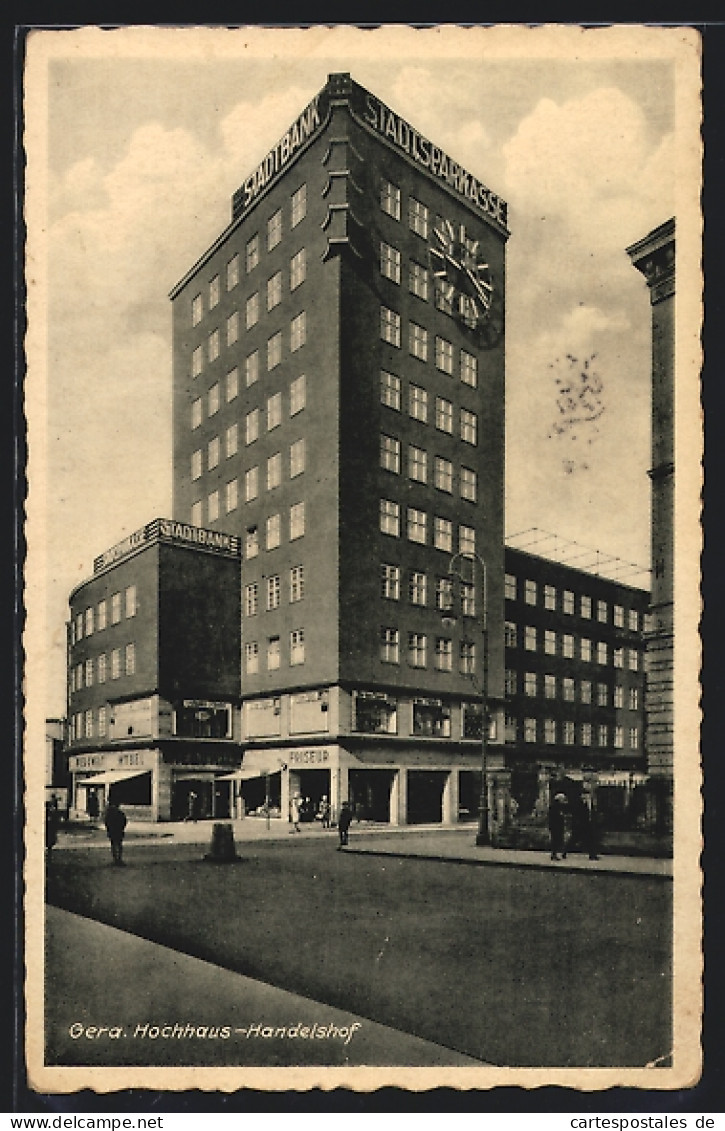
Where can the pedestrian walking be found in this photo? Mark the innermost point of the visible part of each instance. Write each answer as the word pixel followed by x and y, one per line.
pixel 192 811
pixel 92 805
pixel 294 808
pixel 557 812
pixel 344 822
pixel 115 822
pixel 324 812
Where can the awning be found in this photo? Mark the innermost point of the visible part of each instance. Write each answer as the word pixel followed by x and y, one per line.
pixel 243 775
pixel 200 775
pixel 109 777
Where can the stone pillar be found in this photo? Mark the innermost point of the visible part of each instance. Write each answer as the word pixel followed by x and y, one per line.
pixel 338 789
pixel 399 798
pixel 286 790
pixel 161 792
pixel 450 799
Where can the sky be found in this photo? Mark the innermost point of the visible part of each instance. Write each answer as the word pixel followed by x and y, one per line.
pixel 141 143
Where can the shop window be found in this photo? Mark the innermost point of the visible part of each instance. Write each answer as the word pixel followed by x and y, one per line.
pixel 374 713
pixel 431 718
pixel 199 719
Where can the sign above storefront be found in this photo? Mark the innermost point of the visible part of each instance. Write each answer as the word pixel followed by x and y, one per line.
pixel 168 530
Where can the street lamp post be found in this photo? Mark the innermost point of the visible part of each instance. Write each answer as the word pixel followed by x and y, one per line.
pixel 483 836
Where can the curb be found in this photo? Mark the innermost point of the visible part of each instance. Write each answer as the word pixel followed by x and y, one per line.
pixel 572 869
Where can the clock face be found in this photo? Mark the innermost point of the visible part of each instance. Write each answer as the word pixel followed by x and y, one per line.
pixel 463 279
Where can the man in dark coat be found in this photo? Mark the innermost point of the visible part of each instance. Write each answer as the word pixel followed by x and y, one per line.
pixel 344 821
pixel 556 826
pixel 115 822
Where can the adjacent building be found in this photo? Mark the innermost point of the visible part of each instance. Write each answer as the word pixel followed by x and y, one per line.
pixel 153 680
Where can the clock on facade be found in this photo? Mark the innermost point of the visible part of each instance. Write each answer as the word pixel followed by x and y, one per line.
pixel 463 280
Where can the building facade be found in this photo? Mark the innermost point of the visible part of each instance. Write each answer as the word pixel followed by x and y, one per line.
pixel 654 257
pixel 339 407
pixel 153 676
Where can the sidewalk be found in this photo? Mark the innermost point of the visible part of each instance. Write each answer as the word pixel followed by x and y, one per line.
pixel 429 842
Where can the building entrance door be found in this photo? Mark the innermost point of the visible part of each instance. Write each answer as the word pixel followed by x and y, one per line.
pixel 425 796
pixel 369 792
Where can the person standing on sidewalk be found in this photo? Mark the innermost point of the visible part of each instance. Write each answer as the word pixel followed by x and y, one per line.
pixel 294 809
pixel 115 822
pixel 344 822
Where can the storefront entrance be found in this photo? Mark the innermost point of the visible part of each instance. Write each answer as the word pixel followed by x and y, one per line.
pixel 469 795
pixel 425 796
pixel 369 794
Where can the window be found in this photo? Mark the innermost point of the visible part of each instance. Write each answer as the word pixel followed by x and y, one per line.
pixel 602 695
pixel 530 638
pixel 116 663
pixel 116 608
pixel 375 713
pixel 252 253
pixel 418 341
pixel 213 345
pixel 633 656
pixel 549 642
pixel 251 542
pixel 89 673
pixel 443 474
pixel 274 230
pixel 633 699
pixel 530 592
pixel 297 455
pixel 567 646
pixel 634 738
pixel 214 289
pixel 418 280
pixel 602 734
pixel 251 426
pixel 299 205
pixel 390 326
pixel 197 516
pixel 231 495
pixel 274 531
pixel 297 646
pixel 568 689
pixel 417 217
pixel 197 361
pixel 274 350
pixel 252 311
pixel 417 403
pixel 550 731
pixel 231 440
pixel 417 464
pixel 130 659
pixel 130 605
pixel 601 652
pixel 390 582
pixel 389 646
pixel 296 583
pixel 443 415
pixel 633 620
pixel 529 730
pixel 197 310
pixel 251 368
pixel 101 617
pixel 586 734
pixel 274 290
pixel 617 657
pixel 444 594
pixel 510 587
pixel 297 269
pixel 417 525
pixel 273 654
pixel 390 262
pixel 585 607
pixel 298 331
pixel 585 691
pixel 466 540
pixel 274 592
pixel 549 598
pixel 297 395
pixel 196 409
pixel 444 355
pixel 390 390
pixel 417 588
pixel 417 649
pixel 550 687
pixel 213 453
pixel 510 635
pixel 296 520
pixel 274 411
pixel 251 484
pixel 390 199
pixel 530 683
pixel 232 328
pixel 568 733
pixel 274 471
pixel 618 737
pixel 251 657
pixel 213 506
pixel 89 622
pixel 469 426
pixel 618 695
pixel 389 453
pixel 602 611
pixel 214 399
pixel 389 517
pixel 618 616
pixel 102 725
pixel 444 655
pixel 443 534
pixel 88 724
pixel 232 272
pixel 585 650
pixel 567 602
pixel 467 658
pixel 509 682
pixel 469 369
